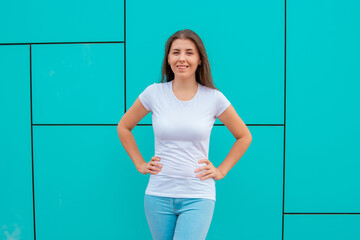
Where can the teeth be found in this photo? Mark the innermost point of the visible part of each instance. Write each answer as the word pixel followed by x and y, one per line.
pixel 182 67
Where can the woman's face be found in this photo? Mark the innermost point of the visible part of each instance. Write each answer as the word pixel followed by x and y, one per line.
pixel 183 58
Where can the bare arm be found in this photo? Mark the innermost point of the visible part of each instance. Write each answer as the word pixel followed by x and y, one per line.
pixel 243 138
pixel 129 120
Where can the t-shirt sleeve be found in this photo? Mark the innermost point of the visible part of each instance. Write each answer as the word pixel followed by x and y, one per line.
pixel 146 96
pixel 222 103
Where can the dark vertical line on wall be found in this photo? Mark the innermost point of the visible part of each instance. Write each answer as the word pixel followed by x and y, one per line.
pixel 124 56
pixel 32 149
pixel 283 204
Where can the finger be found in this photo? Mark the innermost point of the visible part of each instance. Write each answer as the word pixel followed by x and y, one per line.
pixel 153 172
pixel 156 164
pixel 150 169
pixel 203 174
pixel 207 161
pixel 202 160
pixel 155 169
pixel 155 158
pixel 203 168
pixel 208 176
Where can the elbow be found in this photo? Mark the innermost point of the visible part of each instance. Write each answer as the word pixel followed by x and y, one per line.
pixel 247 137
pixel 119 126
pixel 250 137
pixel 122 127
pixel 122 132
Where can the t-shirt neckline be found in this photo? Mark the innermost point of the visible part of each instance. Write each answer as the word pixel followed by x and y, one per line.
pixel 172 93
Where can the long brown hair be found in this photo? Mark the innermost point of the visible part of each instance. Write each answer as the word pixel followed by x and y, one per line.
pixel 203 72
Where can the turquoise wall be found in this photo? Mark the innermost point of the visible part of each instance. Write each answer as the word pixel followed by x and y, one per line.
pixel 70 69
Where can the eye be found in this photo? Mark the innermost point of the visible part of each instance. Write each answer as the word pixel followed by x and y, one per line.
pixel 190 53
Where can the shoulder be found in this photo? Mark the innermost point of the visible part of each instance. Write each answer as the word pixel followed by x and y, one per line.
pixel 216 95
pixel 154 88
pixel 160 87
pixel 209 91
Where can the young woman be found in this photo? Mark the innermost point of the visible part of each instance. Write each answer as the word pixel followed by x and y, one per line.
pixel 180 197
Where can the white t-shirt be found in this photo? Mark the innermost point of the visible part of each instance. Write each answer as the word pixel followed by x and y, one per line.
pixel 182 135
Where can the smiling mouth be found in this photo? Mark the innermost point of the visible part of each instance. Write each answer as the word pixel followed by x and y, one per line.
pixel 182 67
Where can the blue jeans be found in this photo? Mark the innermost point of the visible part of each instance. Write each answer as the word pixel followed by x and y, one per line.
pixel 178 218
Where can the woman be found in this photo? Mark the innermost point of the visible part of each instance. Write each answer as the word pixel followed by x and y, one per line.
pixel 180 197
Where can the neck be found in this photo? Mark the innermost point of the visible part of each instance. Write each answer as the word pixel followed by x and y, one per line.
pixel 185 84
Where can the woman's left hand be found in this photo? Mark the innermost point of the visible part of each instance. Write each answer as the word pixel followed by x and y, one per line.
pixel 212 171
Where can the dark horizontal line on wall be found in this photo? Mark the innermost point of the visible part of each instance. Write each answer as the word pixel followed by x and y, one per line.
pixel 74 124
pixel 141 124
pixel 60 43
pixel 321 213
pixel 258 124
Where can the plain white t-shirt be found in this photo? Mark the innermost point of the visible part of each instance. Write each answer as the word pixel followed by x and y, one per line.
pixel 182 135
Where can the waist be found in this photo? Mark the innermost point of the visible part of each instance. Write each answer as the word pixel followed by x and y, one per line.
pixel 171 186
pixel 180 168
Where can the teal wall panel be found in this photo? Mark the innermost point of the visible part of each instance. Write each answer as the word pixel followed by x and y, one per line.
pixel 315 227
pixel 16 199
pixel 250 196
pixel 86 187
pixel 78 83
pixel 323 114
pixel 61 21
pixel 244 42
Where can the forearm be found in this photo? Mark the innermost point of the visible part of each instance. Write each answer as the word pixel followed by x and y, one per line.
pixel 236 152
pixel 128 141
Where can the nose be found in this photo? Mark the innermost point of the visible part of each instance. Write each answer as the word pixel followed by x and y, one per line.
pixel 181 57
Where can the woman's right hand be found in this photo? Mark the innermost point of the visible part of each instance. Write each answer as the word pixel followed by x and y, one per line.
pixel 152 167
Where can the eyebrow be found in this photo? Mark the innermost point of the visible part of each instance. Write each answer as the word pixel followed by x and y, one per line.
pixel 186 49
